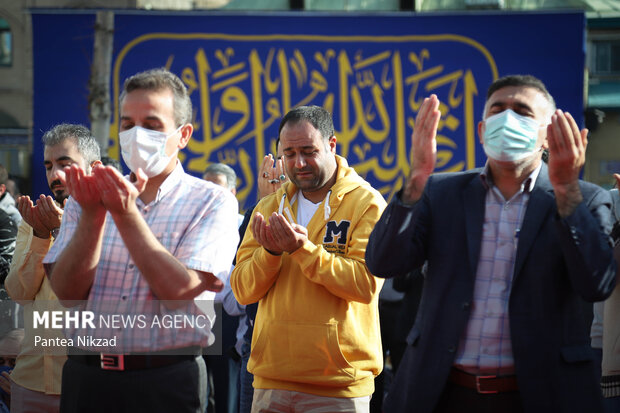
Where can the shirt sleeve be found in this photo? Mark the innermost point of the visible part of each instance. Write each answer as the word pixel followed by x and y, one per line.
pixel 256 269
pixel 210 243
pixel 70 218
pixel 26 274
pixel 230 303
pixel 587 246
pixel 391 238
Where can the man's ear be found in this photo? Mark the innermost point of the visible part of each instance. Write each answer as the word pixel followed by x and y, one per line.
pixel 332 144
pixel 186 134
pixel 545 142
pixel 481 129
pixel 2 189
pixel 93 165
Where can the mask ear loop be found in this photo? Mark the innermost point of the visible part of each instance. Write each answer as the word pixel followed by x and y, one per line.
pixel 168 137
pixel 175 132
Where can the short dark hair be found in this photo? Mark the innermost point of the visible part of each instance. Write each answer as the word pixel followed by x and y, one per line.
pixel 109 161
pixel 315 115
pixel 223 169
pixel 161 79
pixel 521 81
pixel 86 143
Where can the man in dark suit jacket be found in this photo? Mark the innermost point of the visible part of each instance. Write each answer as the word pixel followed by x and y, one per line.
pixel 511 249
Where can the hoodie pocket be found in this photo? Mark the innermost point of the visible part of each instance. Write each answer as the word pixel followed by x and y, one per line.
pixel 303 353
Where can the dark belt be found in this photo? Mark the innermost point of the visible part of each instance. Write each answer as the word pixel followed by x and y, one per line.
pixel 123 362
pixel 484 384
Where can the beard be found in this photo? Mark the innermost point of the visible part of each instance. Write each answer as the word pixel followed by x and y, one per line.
pixel 59 194
pixel 308 183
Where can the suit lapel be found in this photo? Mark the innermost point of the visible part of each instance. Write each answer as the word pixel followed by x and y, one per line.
pixel 474 198
pixel 540 205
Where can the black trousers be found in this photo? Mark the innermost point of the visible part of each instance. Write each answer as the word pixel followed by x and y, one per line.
pixel 463 400
pixel 180 387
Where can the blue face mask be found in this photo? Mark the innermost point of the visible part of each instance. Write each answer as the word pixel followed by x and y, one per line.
pixel 509 136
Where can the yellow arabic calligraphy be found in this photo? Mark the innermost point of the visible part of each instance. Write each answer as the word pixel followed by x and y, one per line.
pixel 240 97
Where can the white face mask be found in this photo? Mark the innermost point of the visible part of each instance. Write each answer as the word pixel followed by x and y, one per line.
pixel 146 149
pixel 509 136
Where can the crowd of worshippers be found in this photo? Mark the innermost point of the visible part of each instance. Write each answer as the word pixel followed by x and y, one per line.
pixel 467 291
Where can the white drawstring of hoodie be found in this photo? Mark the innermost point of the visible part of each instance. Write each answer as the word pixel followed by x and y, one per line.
pixel 326 208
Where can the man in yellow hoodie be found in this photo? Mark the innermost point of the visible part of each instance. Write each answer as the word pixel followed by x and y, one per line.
pixel 316 340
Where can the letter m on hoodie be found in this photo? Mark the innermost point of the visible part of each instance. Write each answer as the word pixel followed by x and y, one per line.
pixel 332 229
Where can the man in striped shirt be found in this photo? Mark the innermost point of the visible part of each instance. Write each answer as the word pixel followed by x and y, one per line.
pixel 142 249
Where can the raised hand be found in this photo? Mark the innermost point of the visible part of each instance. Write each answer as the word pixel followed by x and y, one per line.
pixel 42 217
pixel 118 195
pixel 26 210
pixel 567 155
pixel 567 149
pixel 278 235
pixel 288 237
pixel 424 149
pixel 48 212
pixel 269 177
pixel 263 235
pixel 82 188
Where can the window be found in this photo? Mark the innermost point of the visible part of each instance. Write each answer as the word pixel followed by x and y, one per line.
pixel 605 58
pixel 6 43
